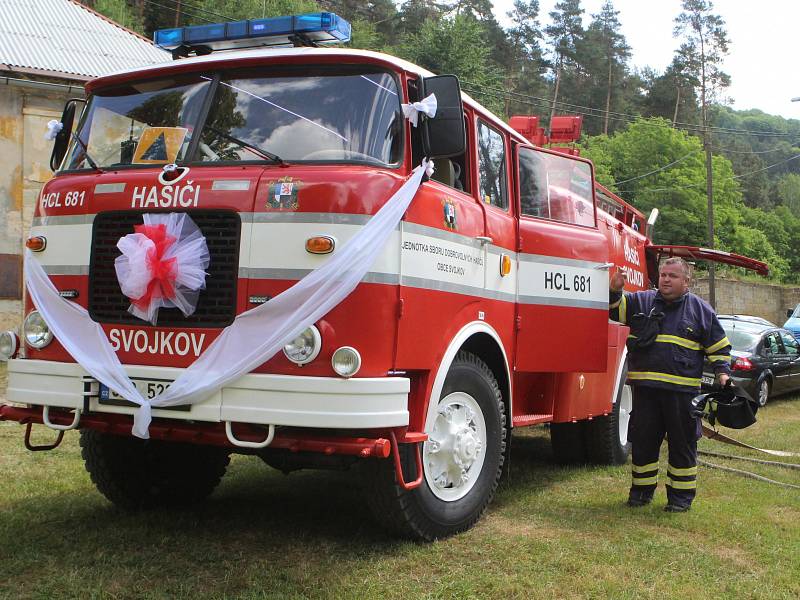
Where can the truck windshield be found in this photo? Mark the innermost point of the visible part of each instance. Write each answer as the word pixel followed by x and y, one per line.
pixel 147 123
pixel 305 117
pixel 321 116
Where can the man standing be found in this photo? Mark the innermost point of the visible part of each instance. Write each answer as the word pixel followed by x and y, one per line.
pixel 672 330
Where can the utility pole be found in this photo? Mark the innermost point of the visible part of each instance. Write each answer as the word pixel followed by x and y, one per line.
pixel 712 288
pixel 712 291
pixel 177 12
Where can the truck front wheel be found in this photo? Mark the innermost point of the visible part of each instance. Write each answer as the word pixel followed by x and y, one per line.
pixel 462 459
pixel 141 474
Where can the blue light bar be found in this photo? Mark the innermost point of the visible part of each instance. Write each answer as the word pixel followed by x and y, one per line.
pixel 317 29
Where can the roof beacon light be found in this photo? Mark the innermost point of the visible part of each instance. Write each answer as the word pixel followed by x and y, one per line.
pixel 300 30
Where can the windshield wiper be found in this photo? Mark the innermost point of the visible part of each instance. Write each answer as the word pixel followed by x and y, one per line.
pixel 255 149
pixel 86 153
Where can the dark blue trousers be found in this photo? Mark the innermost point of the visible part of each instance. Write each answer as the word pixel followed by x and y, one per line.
pixel 658 413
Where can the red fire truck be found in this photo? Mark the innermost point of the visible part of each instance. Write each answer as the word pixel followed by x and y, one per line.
pixel 486 309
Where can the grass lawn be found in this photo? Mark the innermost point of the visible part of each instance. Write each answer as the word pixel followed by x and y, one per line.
pixel 551 532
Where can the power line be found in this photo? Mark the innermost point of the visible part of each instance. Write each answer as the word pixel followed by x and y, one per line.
pixel 694 185
pixel 597 112
pixel 729 151
pixel 674 162
pixel 152 2
pixel 194 7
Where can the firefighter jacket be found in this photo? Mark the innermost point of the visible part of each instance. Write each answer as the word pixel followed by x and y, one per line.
pixel 688 332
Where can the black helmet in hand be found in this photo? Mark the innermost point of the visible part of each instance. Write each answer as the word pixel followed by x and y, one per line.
pixel 729 407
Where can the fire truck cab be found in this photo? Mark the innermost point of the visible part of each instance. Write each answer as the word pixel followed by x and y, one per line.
pixel 486 309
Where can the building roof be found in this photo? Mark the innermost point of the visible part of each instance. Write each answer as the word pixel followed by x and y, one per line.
pixel 62 38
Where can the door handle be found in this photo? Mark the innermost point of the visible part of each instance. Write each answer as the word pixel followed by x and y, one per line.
pixel 604 266
pixel 483 239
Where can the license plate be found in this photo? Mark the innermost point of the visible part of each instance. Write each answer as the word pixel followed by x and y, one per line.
pixel 149 388
pixel 707 380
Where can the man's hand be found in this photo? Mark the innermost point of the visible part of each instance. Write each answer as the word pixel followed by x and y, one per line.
pixel 723 379
pixel 618 280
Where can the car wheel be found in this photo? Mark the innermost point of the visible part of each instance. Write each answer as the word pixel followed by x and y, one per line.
pixel 763 391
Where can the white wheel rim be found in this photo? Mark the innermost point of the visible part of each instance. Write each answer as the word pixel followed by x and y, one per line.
pixel 763 393
pixel 456 448
pixel 624 418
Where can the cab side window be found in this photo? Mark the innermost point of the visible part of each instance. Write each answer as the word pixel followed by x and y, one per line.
pixel 493 186
pixel 533 184
pixel 452 171
pixel 555 187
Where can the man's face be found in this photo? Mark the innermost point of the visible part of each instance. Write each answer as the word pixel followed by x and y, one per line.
pixel 672 282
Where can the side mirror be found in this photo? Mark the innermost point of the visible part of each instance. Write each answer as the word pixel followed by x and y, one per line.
pixel 789 313
pixel 444 135
pixel 61 142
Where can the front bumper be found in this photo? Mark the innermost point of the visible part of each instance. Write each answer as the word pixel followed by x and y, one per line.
pixel 314 402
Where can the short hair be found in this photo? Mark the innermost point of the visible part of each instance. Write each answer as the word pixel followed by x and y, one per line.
pixel 677 260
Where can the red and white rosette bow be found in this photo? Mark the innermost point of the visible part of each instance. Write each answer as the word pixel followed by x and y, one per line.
pixel 163 265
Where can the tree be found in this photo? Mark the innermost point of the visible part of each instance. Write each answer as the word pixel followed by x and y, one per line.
pixel 610 51
pixel 707 42
pixel 448 46
pixel 414 14
pixel 564 33
pixel 788 192
pixel 527 65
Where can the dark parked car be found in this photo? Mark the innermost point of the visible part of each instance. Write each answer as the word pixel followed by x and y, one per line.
pixel 747 318
pixel 765 359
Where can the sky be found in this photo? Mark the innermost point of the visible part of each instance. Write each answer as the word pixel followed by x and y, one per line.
pixel 764 48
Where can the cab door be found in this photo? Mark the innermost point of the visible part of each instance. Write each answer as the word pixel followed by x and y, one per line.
pixel 563 262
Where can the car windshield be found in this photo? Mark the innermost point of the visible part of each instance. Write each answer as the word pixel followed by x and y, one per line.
pixel 313 116
pixel 742 335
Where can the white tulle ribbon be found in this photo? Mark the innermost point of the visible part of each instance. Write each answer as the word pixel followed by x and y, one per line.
pixel 53 128
pixel 426 106
pixel 253 338
pixel 163 265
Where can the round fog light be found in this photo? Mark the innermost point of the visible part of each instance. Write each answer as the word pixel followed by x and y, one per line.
pixel 346 361
pixel 8 345
pixel 305 347
pixel 37 333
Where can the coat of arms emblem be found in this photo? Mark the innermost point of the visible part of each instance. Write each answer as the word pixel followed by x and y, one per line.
pixel 449 213
pixel 283 194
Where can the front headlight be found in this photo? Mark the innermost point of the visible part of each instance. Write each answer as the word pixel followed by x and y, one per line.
pixel 305 347
pixel 37 333
pixel 346 361
pixel 8 345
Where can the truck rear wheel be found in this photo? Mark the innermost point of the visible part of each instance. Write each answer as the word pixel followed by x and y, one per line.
pixel 140 474
pixel 462 459
pixel 567 442
pixel 607 437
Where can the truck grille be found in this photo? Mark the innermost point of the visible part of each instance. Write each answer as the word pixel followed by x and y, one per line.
pixel 217 304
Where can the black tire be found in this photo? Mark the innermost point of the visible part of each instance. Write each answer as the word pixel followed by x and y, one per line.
pixel 142 474
pixel 604 443
pixel 567 442
pixel 763 391
pixel 421 513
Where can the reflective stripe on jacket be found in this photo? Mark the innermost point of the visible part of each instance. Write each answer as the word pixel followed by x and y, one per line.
pixel 689 332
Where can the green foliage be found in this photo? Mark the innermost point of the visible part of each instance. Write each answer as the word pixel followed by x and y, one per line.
pixel 120 12
pixel 448 46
